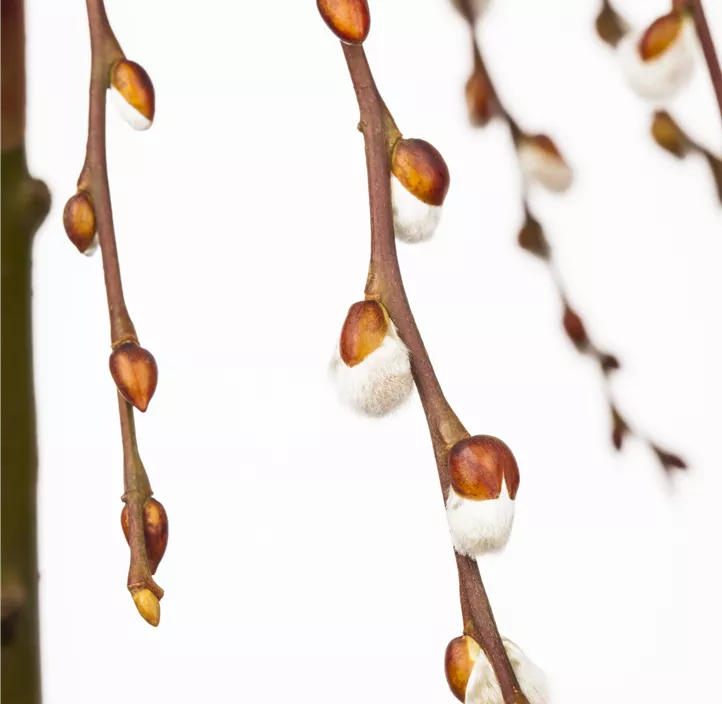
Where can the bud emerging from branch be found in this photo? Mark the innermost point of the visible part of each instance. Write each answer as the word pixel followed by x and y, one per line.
pixel 480 504
pixel 483 687
pixel 610 26
pixel 133 94
pixel 79 223
pixel 459 659
pixel 419 183
pixel 659 62
pixel 668 135
pixel 349 20
pixel 148 605
pixel 370 368
pixel 473 10
pixel 479 99
pixel 135 373
pixel 155 528
pixel 531 237
pixel 574 327
pixel 540 160
pixel 620 429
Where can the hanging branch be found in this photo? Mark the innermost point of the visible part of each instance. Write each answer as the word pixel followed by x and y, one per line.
pixel 659 62
pixel 381 351
pixel 88 219
pixel 25 205
pixel 540 160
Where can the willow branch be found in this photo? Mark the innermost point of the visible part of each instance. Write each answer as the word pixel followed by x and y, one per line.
pixel 533 239
pixel 25 204
pixel 708 48
pixel 94 179
pixel 386 285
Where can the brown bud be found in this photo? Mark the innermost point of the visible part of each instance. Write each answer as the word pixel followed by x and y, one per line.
pixel 459 659
pixel 477 466
pixel 134 86
pixel 148 605
pixel 667 134
pixel 79 221
pixel 620 429
pixel 660 35
pixel 546 144
pixel 421 170
pixel 575 329
pixel 668 460
pixel 364 329
pixel 715 166
pixel 155 529
pixel 608 362
pixel 135 373
pixel 349 20
pixel 531 237
pixel 610 26
pixel 479 99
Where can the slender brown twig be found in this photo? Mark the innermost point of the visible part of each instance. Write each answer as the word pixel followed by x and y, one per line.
pixel 94 180
pixel 385 285
pixel 533 240
pixel 708 48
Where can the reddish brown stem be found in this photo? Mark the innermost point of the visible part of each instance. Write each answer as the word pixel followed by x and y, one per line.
pixel 708 49
pixel 385 284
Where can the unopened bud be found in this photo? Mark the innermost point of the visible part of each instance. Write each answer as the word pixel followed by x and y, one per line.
pixel 371 369
pixel 659 62
pixel 349 20
pixel 133 94
pixel 610 26
pixel 419 184
pixel 669 460
pixel 472 10
pixel 620 429
pixel 667 134
pixel 608 362
pixel 483 686
pixel 148 605
pixel 532 239
pixel 574 327
pixel 480 504
pixel 540 160
pixel 155 529
pixel 480 101
pixel 135 373
pixel 79 223
pixel 459 659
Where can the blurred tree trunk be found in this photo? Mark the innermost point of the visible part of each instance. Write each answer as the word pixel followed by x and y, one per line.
pixel 25 204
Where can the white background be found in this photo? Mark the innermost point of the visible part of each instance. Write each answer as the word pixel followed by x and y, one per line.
pixel 309 558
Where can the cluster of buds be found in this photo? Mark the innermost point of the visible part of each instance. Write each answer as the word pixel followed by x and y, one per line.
pixel 659 61
pixel 480 503
pixel 370 367
pixel 155 531
pixel 472 679
pixel 135 373
pixel 541 161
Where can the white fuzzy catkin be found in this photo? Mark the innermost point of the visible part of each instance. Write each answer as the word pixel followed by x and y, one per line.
pixel 662 77
pixel 414 220
pixel 549 170
pixel 132 116
pixel 483 687
pixel 92 247
pixel 378 384
pixel 479 527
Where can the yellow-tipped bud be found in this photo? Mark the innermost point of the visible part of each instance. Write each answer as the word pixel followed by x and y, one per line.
pixel 155 528
pixel 79 222
pixel 148 606
pixel 349 20
pixel 133 94
pixel 364 330
pixel 135 373
pixel 479 464
pixel 459 659
pixel 421 170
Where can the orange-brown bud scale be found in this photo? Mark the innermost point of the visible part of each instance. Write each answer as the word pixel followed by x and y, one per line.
pixel 477 466
pixel 135 373
pixel 79 220
pixel 133 83
pixel 574 327
pixel 155 529
pixel 364 329
pixel 546 144
pixel 349 20
pixel 459 659
pixel 421 170
pixel 668 135
pixel 479 99
pixel 660 35
pixel 148 605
